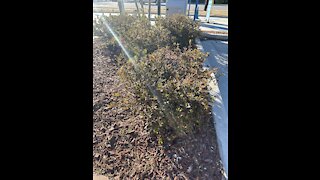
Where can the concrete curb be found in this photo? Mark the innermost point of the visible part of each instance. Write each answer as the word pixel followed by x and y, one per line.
pixel 219 114
pixel 205 35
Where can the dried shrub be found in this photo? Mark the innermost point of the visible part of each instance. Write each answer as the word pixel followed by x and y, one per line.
pixel 183 30
pixel 136 34
pixel 119 24
pixel 172 87
pixel 143 38
pixel 170 84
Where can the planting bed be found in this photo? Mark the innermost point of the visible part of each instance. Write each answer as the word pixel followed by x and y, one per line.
pixel 124 145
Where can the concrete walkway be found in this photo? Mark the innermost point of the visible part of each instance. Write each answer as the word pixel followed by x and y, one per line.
pixel 218 58
pixel 216 28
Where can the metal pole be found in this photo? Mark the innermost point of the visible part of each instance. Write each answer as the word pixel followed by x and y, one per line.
pixel 121 7
pixel 210 4
pixel 196 11
pixel 135 1
pixel 189 7
pixel 149 10
pixel 142 8
pixel 159 7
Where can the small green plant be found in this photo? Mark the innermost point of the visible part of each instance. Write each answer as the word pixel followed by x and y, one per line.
pixel 172 87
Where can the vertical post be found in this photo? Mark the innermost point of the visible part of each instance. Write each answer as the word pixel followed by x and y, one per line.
pixel 211 2
pixel 196 11
pixel 135 1
pixel 149 10
pixel 121 7
pixel 142 8
pixel 159 7
pixel 189 1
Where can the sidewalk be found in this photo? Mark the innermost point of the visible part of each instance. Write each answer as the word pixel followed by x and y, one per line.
pixel 216 29
pixel 218 58
pixel 215 41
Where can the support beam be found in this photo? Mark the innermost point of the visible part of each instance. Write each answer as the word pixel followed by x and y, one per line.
pixel 196 11
pixel 189 2
pixel 149 10
pixel 136 3
pixel 210 5
pixel 159 7
pixel 121 6
pixel 142 8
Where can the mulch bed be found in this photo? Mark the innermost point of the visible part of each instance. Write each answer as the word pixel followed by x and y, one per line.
pixel 123 147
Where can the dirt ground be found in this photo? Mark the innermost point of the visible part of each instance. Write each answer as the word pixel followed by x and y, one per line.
pixel 123 147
